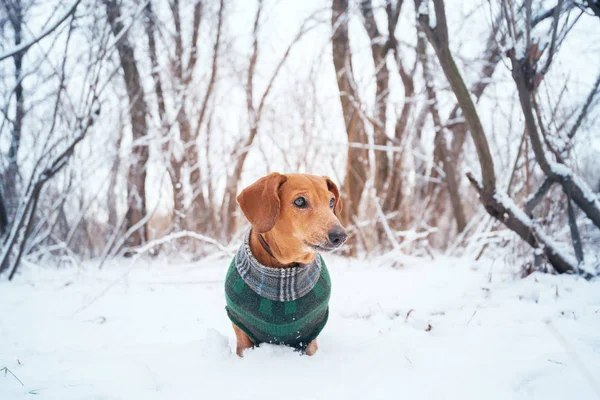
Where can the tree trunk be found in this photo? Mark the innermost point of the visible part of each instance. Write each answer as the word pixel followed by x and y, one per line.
pixel 394 193
pixel 201 210
pixel 12 175
pixel 112 198
pixel 3 216
pixel 356 170
pixel 441 145
pixel 469 112
pixel 232 185
pixel 150 29
pixel 379 51
pixel 459 129
pixel 183 75
pixel 136 179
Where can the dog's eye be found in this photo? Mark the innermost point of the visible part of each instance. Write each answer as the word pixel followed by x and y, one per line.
pixel 300 202
pixel 331 202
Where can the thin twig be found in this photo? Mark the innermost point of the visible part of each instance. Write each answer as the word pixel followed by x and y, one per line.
pixel 6 371
pixel 25 46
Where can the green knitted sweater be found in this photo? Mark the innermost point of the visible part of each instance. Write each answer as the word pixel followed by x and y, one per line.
pixel 293 323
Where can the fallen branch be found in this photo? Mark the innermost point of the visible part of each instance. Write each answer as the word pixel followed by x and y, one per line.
pixel 505 210
pixel 178 235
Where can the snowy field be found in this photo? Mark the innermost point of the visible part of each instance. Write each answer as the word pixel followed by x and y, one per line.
pixel 443 329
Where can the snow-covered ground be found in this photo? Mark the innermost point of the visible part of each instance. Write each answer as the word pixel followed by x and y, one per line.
pixel 443 329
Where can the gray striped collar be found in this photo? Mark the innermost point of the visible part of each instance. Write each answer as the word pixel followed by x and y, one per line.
pixel 278 284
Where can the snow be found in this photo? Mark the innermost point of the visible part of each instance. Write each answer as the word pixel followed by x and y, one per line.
pixel 561 169
pixel 509 204
pixel 158 330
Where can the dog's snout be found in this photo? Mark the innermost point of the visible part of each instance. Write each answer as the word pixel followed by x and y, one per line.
pixel 337 236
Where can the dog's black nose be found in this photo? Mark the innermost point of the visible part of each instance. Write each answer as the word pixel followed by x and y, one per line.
pixel 337 236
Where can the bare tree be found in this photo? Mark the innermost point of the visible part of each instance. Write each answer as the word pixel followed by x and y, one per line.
pixel 202 213
pixel 442 150
pixel 394 195
pixel 185 77
pixel 54 157
pixel 379 52
pixel 18 205
pixel 150 25
pixel 356 164
pixel 255 106
pixel 183 73
pixel 497 205
pixel 184 166
pixel 16 15
pixel 22 227
pixel 3 215
pixel 136 181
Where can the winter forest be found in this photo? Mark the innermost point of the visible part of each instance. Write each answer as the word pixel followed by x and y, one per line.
pixel 462 136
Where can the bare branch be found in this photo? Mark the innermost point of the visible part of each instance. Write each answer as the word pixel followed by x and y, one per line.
pixel 195 33
pixel 441 144
pixel 214 68
pixel 585 108
pixel 580 192
pixel 379 50
pixel 503 209
pixel 178 235
pixel 25 46
pixel 552 49
pixel 438 37
pixel 575 237
pixel 150 30
pixel 533 202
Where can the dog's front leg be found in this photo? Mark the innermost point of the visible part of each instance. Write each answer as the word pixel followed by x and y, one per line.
pixel 243 341
pixel 312 348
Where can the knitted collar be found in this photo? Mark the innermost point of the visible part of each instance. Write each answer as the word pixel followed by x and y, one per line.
pixel 278 284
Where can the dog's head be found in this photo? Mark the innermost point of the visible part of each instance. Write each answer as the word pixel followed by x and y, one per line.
pixel 300 211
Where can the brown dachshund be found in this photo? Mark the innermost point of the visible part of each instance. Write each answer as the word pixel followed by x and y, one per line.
pixel 292 216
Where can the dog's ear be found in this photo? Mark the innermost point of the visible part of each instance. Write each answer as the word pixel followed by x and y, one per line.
pixel 332 187
pixel 260 201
